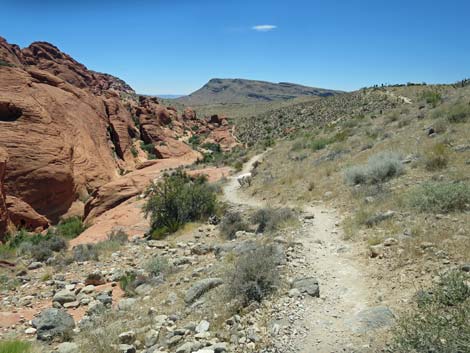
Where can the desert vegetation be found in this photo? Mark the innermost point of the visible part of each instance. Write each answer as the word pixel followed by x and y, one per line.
pixel 178 199
pixel 438 320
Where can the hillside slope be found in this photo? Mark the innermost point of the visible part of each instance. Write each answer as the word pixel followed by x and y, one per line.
pixel 249 91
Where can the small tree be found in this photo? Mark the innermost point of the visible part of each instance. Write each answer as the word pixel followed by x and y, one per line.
pixel 178 199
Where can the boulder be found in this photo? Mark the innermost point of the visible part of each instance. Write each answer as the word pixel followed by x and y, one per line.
pixel 372 319
pixel 307 285
pixel 68 347
pixel 201 287
pixel 23 215
pixel 64 296
pixel 53 323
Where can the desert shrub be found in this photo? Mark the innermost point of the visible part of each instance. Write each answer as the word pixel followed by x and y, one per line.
pixel 195 140
pixel 118 236
pixel 214 147
pixel 149 148
pixel 238 166
pixel 254 275
pixel 85 252
pixel 55 243
pixel 231 223
pixel 431 97
pixel 70 227
pixel 456 113
pixel 270 219
pixel 41 252
pixel 126 283
pixel 440 197
pixel 459 113
pixel 319 144
pixel 439 319
pixel 437 157
pixel 178 199
pixel 15 347
pixel 130 281
pixel 379 168
pixel 158 266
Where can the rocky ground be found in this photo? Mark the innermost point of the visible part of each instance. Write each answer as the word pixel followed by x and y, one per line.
pixel 324 301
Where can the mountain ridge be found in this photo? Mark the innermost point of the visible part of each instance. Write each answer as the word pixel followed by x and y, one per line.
pixel 239 90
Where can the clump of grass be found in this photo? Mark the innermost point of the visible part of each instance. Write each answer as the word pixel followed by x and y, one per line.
pixel 439 320
pixel 254 275
pixel 270 219
pixel 440 197
pixel 231 223
pixel 437 157
pixel 70 227
pixel 15 346
pixel 379 168
pixel 178 199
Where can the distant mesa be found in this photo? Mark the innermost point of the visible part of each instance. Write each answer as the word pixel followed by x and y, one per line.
pixel 223 91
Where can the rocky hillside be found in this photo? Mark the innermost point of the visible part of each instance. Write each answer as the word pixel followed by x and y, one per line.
pixel 68 130
pixel 227 91
pixel 280 122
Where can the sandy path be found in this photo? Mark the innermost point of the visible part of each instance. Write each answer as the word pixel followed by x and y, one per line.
pixel 328 324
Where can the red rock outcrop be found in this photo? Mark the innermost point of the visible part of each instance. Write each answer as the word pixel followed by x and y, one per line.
pixel 23 215
pixel 4 219
pixel 69 130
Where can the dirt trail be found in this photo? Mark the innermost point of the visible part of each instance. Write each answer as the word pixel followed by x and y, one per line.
pixel 335 322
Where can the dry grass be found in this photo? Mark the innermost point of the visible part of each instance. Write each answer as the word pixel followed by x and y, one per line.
pixel 296 175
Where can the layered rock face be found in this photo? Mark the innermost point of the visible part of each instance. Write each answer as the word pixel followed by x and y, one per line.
pixel 68 130
pixel 4 219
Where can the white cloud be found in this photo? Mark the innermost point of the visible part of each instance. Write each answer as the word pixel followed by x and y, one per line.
pixel 264 28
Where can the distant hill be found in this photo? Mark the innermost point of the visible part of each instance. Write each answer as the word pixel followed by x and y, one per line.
pixel 224 91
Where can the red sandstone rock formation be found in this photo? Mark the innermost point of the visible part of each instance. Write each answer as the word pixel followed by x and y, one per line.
pixel 69 130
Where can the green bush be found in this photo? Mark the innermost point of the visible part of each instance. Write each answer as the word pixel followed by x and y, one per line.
pixel 39 247
pixel 195 140
pixel 149 148
pixel 127 284
pixel 432 97
pixel 178 199
pixel 254 275
pixel 70 227
pixel 214 147
pixel 319 144
pixel 15 347
pixel 269 219
pixel 231 223
pixel 440 197
pixel 437 157
pixel 439 320
pixel 379 168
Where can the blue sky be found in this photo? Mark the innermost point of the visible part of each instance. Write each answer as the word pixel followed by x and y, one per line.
pixel 164 47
